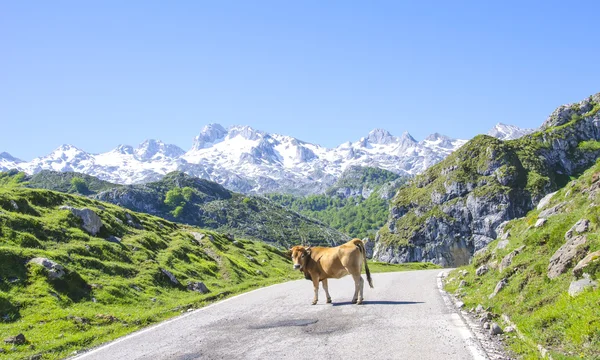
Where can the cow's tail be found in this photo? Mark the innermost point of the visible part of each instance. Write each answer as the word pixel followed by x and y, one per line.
pixel 361 246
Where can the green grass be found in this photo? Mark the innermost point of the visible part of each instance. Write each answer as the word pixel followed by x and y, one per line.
pixel 541 308
pixel 381 267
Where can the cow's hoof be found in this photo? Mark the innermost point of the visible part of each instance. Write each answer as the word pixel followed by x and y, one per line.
pixel 359 302
pixel 354 301
pixel 329 301
pixel 314 302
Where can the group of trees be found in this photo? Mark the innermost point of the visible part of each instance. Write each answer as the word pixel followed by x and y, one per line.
pixel 355 216
pixel 177 199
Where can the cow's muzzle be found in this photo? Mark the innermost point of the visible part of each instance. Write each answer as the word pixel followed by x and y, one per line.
pixel 296 266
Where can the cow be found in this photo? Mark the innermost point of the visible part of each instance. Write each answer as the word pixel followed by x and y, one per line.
pixel 322 263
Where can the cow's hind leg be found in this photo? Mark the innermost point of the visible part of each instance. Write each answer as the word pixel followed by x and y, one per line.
pixel 326 288
pixel 316 286
pixel 360 296
pixel 357 282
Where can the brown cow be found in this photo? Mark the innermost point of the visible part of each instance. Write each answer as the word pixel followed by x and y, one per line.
pixel 322 263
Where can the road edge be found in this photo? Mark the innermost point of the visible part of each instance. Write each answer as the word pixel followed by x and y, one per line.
pixel 489 347
pixel 466 331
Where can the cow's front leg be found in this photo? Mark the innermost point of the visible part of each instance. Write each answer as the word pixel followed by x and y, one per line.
pixel 316 286
pixel 326 288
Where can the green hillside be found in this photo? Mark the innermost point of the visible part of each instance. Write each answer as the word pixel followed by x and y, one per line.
pixel 536 294
pixel 186 199
pixel 113 283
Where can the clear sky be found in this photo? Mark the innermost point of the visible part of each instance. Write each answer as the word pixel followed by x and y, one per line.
pixel 96 74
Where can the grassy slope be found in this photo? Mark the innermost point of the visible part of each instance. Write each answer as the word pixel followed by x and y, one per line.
pixel 211 206
pixel 112 289
pixel 121 280
pixel 542 308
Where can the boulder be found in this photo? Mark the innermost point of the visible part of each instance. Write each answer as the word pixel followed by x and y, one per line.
pixel 479 308
pixel 170 276
pixel 55 270
pixel 509 329
pixel 91 221
pixel 580 227
pixel 578 286
pixel 563 257
pixel 482 270
pixel 545 200
pixel 507 260
pixel 540 222
pixel 198 286
pixel 589 259
pixel 16 340
pixel 552 211
pixel 499 286
pixel 462 284
pixel 502 244
pixel 114 239
pixel 131 221
pixel 198 237
pixel 495 329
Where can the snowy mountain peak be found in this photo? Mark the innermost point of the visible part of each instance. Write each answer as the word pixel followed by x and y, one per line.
pixel 380 136
pixel 124 149
pixel 8 157
pixel 508 132
pixel 248 160
pixel 210 134
pixel 406 137
pixel 244 131
pixel 156 149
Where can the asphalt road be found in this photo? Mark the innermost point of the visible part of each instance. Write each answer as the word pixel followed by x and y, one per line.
pixel 403 317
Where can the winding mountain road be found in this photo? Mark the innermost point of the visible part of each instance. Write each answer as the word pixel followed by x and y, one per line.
pixel 403 317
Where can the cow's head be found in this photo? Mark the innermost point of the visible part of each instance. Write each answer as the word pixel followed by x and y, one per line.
pixel 300 255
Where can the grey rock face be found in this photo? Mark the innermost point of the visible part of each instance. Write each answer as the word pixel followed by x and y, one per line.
pixel 462 219
pixel 198 286
pixel 540 222
pixel 578 286
pixel 563 257
pixel 91 221
pixel 55 270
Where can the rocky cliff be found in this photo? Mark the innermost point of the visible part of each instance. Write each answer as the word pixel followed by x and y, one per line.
pixel 455 207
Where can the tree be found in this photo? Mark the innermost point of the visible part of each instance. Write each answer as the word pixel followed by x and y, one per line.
pixel 79 185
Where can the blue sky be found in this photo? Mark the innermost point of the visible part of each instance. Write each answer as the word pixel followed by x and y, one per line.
pixel 99 74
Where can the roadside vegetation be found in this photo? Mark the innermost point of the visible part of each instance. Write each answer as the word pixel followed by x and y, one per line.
pixel 536 296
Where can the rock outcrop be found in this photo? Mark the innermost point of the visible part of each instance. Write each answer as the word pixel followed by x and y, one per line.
pixel 454 208
pixel 91 221
pixel 55 270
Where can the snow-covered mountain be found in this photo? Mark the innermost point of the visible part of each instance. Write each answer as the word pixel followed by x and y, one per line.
pixel 508 132
pixel 247 160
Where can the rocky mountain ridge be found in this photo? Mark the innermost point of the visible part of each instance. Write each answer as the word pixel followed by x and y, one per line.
pixel 247 160
pixel 455 208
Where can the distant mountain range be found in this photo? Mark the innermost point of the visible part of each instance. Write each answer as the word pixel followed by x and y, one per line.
pixel 247 160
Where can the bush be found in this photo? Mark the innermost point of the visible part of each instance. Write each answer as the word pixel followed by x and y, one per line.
pixel 79 185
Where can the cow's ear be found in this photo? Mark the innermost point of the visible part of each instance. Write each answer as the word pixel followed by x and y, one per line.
pixel 288 253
